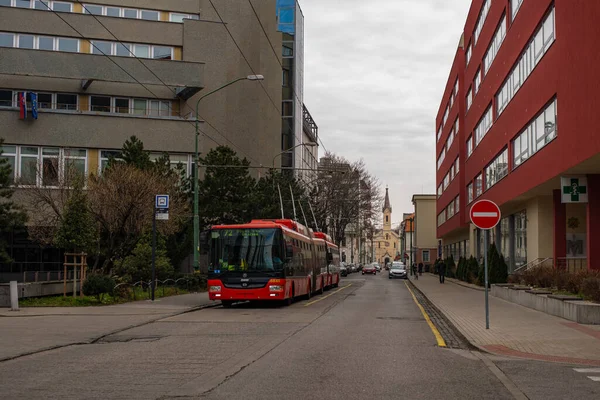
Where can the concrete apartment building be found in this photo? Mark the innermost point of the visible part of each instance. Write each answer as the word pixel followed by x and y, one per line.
pixel 523 69
pixel 425 245
pixel 89 103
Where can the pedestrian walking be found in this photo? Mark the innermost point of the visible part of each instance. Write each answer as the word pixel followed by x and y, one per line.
pixel 420 268
pixel 413 268
pixel 442 270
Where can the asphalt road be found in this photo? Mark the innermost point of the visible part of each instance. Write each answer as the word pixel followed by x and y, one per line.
pixel 365 340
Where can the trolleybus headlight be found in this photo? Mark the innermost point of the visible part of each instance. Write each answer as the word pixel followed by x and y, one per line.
pixel 275 288
pixel 215 288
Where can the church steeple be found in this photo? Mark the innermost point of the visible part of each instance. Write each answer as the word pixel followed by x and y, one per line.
pixel 386 204
pixel 387 212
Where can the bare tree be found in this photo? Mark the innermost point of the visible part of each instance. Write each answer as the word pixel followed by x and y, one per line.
pixel 346 195
pixel 122 201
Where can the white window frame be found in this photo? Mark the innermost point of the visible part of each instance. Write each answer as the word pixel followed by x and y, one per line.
pixel 439 133
pixel 477 82
pixel 102 159
pixel 5 154
pixel 470 191
pixel 532 138
pixel 468 54
pixel 469 99
pixel 450 139
pixel 481 20
pixel 515 5
pixel 525 64
pixel 483 126
pixel 494 47
pixel 478 189
pixel 497 169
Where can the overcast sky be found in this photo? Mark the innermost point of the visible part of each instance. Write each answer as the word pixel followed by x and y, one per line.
pixel 375 71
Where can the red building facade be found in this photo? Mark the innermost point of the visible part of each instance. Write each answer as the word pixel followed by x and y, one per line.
pixel 518 125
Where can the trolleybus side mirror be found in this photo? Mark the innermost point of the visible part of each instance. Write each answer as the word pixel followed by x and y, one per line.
pixel 289 252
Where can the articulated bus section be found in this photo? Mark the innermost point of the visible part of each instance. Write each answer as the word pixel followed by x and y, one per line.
pixel 269 260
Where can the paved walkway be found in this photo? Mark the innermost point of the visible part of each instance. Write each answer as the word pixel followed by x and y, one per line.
pixel 36 329
pixel 514 330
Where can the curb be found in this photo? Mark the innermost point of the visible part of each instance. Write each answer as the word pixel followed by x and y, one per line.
pixel 463 284
pixel 457 331
pixel 98 338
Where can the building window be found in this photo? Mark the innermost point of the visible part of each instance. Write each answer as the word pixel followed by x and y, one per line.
pixel 456 166
pixel 476 82
pixel 9 153
pixel 439 132
pixel 451 209
pixel 442 217
pixel 66 101
pixel 176 17
pixel 469 193
pixel 7 39
pixel 447 181
pixel 106 156
pixel 387 218
pixel 478 185
pixel 484 125
pixel 426 256
pixel 450 139
pixel 514 8
pixel 441 158
pixel 531 56
pixel 100 104
pixel 287 109
pixel 468 55
pixel 288 50
pixel 457 204
pixel 481 20
pixel 440 190
pixel 520 239
pixel 540 132
pixel 6 98
pixel 496 170
pixel 469 99
pixel 492 51
pixel 469 146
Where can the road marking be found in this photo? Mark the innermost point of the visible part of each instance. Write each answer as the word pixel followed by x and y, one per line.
pixel 440 340
pixel 589 371
pixel 330 294
pixel 485 214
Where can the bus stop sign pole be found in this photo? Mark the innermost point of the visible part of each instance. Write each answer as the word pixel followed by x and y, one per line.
pixel 485 215
pixel 161 211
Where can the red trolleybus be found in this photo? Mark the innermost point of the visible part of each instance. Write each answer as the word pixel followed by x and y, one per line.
pixel 262 260
pixel 332 259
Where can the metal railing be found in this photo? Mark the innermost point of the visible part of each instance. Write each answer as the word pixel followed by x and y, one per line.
pixel 538 262
pixel 571 264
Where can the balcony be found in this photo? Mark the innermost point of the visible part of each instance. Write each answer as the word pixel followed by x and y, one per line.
pixel 186 77
pixel 309 125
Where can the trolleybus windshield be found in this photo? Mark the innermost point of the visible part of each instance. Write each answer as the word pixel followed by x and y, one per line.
pixel 246 250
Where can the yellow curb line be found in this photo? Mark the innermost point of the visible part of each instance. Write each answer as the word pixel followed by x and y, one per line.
pixel 330 294
pixel 436 333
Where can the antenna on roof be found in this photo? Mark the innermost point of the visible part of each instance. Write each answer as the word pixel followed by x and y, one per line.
pixel 280 202
pixel 293 202
pixel 304 215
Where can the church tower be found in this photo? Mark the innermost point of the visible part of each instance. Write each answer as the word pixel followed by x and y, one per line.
pixel 387 212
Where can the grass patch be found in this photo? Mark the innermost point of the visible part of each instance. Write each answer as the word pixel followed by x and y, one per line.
pixel 105 300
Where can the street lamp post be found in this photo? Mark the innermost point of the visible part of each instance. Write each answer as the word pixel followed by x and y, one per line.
pixel 197 156
pixel 309 144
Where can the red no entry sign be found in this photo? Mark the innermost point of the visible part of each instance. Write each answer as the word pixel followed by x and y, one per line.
pixel 485 214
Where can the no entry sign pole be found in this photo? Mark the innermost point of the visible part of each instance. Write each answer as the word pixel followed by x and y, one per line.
pixel 485 215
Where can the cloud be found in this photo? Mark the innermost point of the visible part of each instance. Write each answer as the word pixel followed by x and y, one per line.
pixel 375 72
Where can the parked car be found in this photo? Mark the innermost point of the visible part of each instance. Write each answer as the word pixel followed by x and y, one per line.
pixel 354 268
pixel 369 269
pixel 343 270
pixel 398 270
pixel 377 267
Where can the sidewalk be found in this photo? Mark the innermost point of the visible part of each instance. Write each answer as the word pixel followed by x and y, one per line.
pixel 31 330
pixel 514 330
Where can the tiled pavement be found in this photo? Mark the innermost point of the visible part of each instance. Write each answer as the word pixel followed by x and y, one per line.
pixel 514 330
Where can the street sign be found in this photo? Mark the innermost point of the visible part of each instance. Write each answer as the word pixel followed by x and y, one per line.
pixel 162 202
pixel 485 214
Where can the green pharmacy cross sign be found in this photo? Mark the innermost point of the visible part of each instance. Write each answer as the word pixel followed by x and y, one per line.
pixel 574 189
